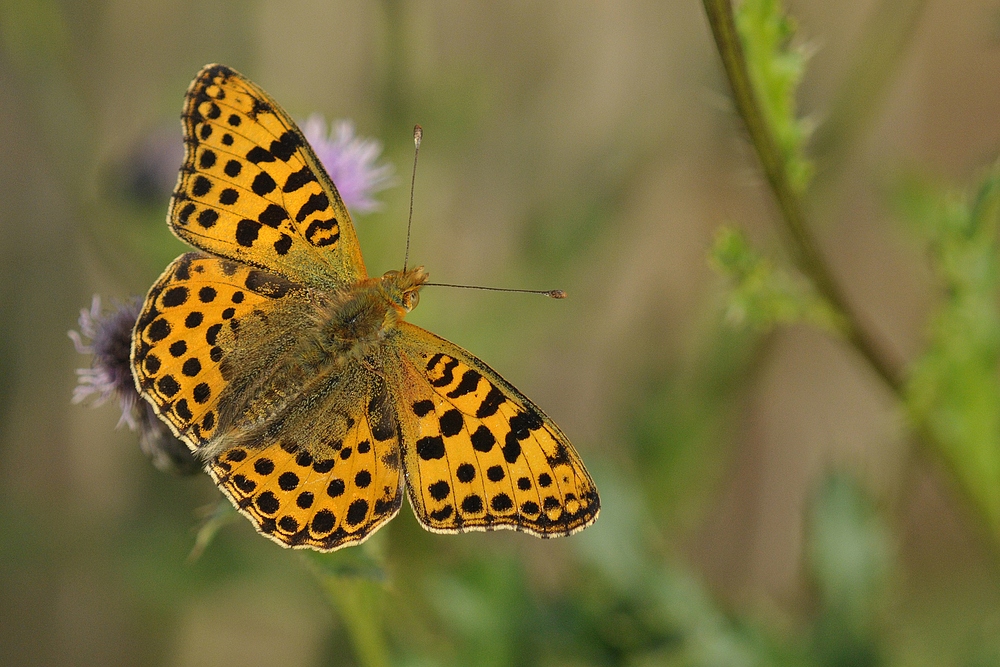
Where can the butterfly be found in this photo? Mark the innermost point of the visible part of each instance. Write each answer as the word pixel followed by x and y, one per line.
pixel 294 376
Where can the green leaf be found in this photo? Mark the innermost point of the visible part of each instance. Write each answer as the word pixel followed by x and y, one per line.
pixel 850 553
pixel 954 387
pixel 776 66
pixel 762 296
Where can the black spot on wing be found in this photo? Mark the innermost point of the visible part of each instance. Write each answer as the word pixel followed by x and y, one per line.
pixel 207 159
pixel 273 215
pixel 434 360
pixel 284 147
pixel 246 232
pixel 422 408
pixel 442 514
pixel 201 186
pixel 267 284
pixel 439 490
pixel 283 244
pixel 523 423
pixel 158 330
pixel 511 448
pixel 451 423
pixel 430 447
pixel 185 213
pixel 258 155
pixel 175 296
pixel 472 504
pixel 466 473
pixel 560 457
pixel 381 418
pixel 259 107
pixel 315 229
pixel 317 202
pixel 483 439
pixel 494 399
pixel 447 374
pixel 357 511
pixel 298 179
pixel 501 502
pixel 263 184
pixel 207 218
pixel 470 380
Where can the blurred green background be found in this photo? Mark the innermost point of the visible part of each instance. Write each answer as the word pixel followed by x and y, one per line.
pixel 764 501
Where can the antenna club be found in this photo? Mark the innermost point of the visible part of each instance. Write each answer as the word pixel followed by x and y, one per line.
pixel 418 135
pixel 557 294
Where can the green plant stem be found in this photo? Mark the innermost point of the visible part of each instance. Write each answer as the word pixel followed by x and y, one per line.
pixel 356 601
pixel 801 243
pixel 805 251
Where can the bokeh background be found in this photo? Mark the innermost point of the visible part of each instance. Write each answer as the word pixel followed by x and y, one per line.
pixel 763 500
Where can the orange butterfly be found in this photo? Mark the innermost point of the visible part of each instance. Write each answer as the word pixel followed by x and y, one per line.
pixel 293 374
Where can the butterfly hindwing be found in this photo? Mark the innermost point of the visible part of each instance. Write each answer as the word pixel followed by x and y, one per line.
pixel 480 455
pixel 251 188
pixel 189 325
pixel 331 499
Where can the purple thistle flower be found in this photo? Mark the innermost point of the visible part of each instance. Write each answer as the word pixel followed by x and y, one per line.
pixel 107 337
pixel 350 162
pixel 109 341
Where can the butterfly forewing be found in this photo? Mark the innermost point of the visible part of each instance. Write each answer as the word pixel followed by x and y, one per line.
pixel 251 188
pixel 480 455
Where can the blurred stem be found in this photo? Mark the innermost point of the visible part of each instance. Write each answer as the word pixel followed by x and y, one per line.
pixel 887 34
pixel 355 600
pixel 800 240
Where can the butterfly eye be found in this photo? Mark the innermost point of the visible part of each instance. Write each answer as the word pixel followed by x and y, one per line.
pixel 411 299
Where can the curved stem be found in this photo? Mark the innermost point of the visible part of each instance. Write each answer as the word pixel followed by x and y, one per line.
pixel 801 242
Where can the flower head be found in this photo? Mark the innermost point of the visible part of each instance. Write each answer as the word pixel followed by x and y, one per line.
pixel 107 337
pixel 109 340
pixel 350 161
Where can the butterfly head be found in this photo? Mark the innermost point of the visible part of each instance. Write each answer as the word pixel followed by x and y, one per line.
pixel 403 287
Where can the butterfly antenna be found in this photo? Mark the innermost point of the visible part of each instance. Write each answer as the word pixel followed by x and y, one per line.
pixel 554 293
pixel 418 134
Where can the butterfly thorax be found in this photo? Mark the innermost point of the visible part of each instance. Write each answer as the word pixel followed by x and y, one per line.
pixel 354 321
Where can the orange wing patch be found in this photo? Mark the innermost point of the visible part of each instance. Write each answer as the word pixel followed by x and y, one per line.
pixel 252 190
pixel 299 500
